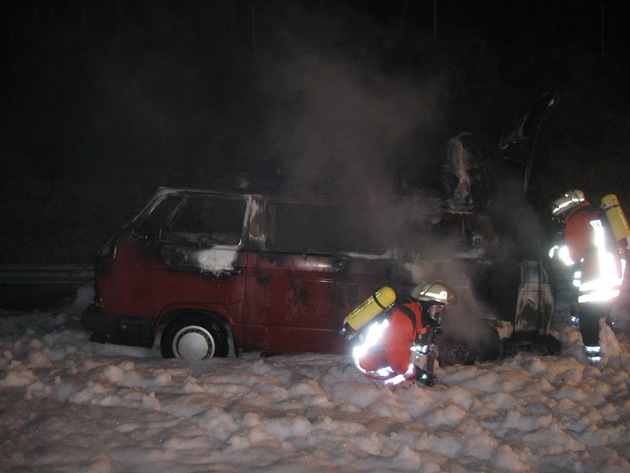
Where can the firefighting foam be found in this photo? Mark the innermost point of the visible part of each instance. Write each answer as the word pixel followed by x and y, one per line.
pixel 81 406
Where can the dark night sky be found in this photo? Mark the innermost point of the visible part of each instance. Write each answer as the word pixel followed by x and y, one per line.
pixel 104 101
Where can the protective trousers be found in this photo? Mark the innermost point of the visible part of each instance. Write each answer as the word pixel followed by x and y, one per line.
pixel 590 316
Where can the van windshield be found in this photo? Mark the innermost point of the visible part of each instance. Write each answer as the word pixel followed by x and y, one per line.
pixel 203 220
pixel 321 228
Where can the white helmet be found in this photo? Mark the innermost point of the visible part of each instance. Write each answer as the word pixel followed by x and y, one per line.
pixel 439 292
pixel 569 200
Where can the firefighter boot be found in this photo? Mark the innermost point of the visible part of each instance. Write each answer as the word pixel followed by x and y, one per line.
pixel 425 378
pixel 594 354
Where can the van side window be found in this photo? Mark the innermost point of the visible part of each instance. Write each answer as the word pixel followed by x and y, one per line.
pixel 321 228
pixel 151 228
pixel 202 220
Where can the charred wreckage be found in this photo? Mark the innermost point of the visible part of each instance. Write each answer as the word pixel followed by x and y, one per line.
pixel 202 272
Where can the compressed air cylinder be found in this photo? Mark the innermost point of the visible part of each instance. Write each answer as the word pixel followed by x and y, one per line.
pixel 616 217
pixel 370 308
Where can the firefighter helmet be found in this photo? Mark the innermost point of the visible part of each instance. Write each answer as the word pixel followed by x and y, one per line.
pixel 439 292
pixel 569 200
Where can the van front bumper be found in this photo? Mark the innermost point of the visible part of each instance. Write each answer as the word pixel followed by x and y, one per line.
pixel 110 328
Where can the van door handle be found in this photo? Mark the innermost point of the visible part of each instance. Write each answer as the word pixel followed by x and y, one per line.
pixel 222 274
pixel 232 272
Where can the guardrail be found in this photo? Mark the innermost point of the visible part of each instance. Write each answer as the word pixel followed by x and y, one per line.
pixel 46 274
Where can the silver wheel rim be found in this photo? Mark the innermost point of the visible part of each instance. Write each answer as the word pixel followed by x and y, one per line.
pixel 193 343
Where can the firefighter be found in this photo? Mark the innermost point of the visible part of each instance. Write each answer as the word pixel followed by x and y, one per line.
pixel 398 349
pixel 593 251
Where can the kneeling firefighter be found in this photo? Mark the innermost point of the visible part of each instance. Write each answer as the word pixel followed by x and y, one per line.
pixel 395 340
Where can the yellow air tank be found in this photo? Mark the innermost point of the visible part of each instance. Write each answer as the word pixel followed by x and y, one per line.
pixel 616 217
pixel 370 308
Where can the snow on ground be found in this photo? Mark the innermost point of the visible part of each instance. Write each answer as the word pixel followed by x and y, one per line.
pixel 69 405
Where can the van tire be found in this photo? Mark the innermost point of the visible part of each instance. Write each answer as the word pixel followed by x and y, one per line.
pixel 455 351
pixel 194 336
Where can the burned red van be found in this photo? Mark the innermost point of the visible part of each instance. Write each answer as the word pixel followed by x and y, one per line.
pixel 207 270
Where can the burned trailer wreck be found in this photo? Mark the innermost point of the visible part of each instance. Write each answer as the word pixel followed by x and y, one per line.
pixel 202 272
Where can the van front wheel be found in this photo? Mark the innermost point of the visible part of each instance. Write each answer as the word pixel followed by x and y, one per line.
pixel 194 337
